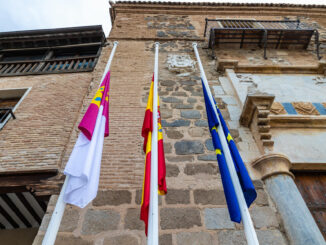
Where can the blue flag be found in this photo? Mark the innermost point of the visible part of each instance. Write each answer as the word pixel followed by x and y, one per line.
pixel 244 179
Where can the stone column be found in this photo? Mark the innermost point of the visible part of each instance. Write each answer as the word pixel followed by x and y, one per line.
pixel 299 224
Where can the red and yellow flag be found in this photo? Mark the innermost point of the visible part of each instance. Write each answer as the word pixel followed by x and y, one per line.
pixel 147 134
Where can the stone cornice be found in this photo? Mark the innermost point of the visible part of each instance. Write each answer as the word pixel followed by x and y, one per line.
pixel 230 9
pixel 207 4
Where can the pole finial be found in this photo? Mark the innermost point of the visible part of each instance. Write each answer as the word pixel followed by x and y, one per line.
pixel 115 43
pixel 194 44
pixel 157 43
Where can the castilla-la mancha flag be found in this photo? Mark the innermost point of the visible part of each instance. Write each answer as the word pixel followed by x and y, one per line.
pixel 147 134
pixel 83 167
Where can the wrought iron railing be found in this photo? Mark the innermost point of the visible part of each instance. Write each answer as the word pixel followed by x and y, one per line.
pixel 261 32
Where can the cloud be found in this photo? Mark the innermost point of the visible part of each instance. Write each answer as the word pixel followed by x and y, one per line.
pixel 37 14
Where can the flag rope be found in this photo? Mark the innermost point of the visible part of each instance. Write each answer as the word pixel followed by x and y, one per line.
pixel 249 229
pixel 152 238
pixel 54 224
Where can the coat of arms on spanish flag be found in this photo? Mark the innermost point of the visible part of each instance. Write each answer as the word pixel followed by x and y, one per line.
pixel 147 134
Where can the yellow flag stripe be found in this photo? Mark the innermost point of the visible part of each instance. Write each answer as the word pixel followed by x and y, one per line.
pixel 150 98
pixel 149 142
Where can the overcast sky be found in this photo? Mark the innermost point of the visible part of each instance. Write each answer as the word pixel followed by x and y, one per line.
pixel 39 14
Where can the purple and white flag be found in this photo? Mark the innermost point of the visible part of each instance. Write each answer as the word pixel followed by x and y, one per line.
pixel 83 167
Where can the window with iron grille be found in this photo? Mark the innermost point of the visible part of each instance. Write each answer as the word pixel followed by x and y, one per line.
pixel 9 101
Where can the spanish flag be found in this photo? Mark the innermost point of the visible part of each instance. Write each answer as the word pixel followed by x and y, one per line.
pixel 147 134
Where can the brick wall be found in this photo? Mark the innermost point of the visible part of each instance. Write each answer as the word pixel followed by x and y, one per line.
pixel 44 120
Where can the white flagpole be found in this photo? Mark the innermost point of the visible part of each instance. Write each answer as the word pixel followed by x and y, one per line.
pixel 245 215
pixel 152 233
pixel 53 227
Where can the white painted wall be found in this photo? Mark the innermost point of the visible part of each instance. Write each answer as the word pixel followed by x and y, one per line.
pixel 286 88
pixel 301 145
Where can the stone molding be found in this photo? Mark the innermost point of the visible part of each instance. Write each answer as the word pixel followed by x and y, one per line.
pixel 223 64
pixel 272 164
pixel 141 7
pixel 255 114
pixel 297 121
pixel 226 64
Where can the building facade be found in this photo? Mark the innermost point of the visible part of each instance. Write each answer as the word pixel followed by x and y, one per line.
pixel 265 69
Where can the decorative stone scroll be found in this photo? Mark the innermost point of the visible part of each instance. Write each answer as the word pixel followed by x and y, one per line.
pixel 305 108
pixel 255 116
pixel 277 109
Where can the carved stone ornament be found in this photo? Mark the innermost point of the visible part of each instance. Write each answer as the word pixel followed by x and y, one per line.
pixel 180 63
pixel 305 108
pixel 277 109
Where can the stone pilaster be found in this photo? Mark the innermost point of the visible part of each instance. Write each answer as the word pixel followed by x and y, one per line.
pixel 299 224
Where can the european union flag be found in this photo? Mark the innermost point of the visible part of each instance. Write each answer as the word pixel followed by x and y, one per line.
pixel 244 179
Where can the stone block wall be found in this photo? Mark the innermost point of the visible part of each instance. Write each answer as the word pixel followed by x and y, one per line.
pixel 187 216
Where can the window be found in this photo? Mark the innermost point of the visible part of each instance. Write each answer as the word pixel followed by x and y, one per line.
pixel 9 101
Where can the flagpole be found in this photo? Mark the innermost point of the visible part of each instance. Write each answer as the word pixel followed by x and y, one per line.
pixel 152 238
pixel 53 227
pixel 245 215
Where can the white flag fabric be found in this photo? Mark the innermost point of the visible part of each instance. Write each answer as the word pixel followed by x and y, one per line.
pixel 83 167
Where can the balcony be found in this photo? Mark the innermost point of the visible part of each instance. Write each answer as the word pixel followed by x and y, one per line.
pixel 285 34
pixel 61 50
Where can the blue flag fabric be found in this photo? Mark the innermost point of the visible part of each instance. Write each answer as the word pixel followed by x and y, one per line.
pixel 245 181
